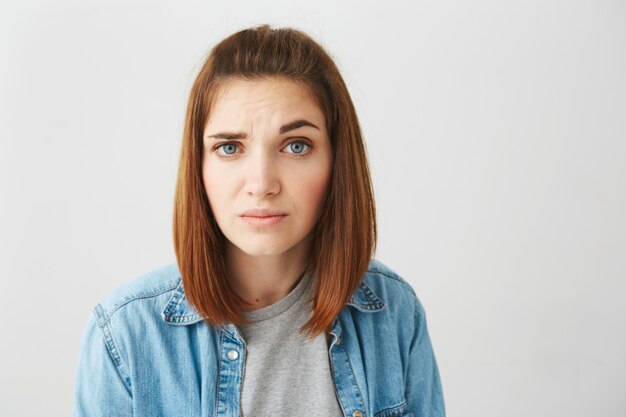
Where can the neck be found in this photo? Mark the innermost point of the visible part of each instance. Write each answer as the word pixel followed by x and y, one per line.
pixel 263 280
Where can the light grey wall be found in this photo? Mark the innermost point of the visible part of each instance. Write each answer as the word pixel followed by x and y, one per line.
pixel 497 137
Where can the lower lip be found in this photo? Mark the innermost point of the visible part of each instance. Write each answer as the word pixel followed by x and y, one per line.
pixel 263 221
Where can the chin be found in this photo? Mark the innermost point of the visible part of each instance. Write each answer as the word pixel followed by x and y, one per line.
pixel 262 251
pixel 263 248
pixel 267 244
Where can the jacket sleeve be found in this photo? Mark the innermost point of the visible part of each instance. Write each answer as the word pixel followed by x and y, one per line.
pixel 423 387
pixel 99 387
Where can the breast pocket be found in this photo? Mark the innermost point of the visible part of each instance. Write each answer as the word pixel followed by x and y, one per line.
pixel 400 410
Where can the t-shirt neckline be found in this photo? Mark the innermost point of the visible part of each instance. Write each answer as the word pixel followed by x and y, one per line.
pixel 283 304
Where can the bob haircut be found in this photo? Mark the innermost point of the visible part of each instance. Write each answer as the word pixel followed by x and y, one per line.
pixel 344 237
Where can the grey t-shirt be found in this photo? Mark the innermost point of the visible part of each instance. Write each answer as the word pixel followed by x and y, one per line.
pixel 285 373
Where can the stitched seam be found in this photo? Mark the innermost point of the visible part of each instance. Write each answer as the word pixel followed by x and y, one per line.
pixel 341 346
pixel 393 276
pixel 333 373
pixel 389 412
pixel 141 297
pixel 366 308
pixel 110 344
pixel 219 375
pixel 186 317
pixel 184 323
pixel 173 302
pixel 375 303
pixel 374 298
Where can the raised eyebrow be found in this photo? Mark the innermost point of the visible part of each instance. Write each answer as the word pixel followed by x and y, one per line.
pixel 296 124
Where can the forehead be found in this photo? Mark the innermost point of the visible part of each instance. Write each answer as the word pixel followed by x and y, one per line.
pixel 276 97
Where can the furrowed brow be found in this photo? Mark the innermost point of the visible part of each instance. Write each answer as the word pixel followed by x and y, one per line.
pixel 283 129
pixel 229 135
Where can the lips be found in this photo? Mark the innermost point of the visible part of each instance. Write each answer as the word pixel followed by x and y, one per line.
pixel 263 217
pixel 262 212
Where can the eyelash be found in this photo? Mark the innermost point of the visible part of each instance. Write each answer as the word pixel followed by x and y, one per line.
pixel 296 155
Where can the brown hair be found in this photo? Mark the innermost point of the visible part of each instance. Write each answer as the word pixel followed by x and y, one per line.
pixel 344 238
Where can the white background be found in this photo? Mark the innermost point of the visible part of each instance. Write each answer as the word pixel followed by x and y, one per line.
pixel 496 132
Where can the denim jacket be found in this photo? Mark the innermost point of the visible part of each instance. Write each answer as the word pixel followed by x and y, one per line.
pixel 147 352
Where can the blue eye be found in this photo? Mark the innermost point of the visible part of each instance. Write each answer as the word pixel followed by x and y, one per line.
pixel 297 148
pixel 229 148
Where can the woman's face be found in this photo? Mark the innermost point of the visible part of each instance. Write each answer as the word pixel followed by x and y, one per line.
pixel 266 148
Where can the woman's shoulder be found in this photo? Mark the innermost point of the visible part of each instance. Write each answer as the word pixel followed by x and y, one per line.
pixel 382 277
pixel 159 282
pixel 390 289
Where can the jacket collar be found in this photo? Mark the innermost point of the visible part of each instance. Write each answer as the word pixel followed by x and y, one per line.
pixel 178 311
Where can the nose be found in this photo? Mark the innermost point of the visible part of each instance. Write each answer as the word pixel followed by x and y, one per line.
pixel 262 177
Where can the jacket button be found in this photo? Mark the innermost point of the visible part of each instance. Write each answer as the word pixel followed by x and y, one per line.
pixel 357 413
pixel 232 355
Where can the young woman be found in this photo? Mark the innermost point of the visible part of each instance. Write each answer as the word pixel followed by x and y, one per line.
pixel 275 306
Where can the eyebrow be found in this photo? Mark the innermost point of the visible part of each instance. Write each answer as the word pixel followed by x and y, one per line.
pixel 296 124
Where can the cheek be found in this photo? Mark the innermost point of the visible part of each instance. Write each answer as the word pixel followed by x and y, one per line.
pixel 215 185
pixel 317 188
pixel 312 189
